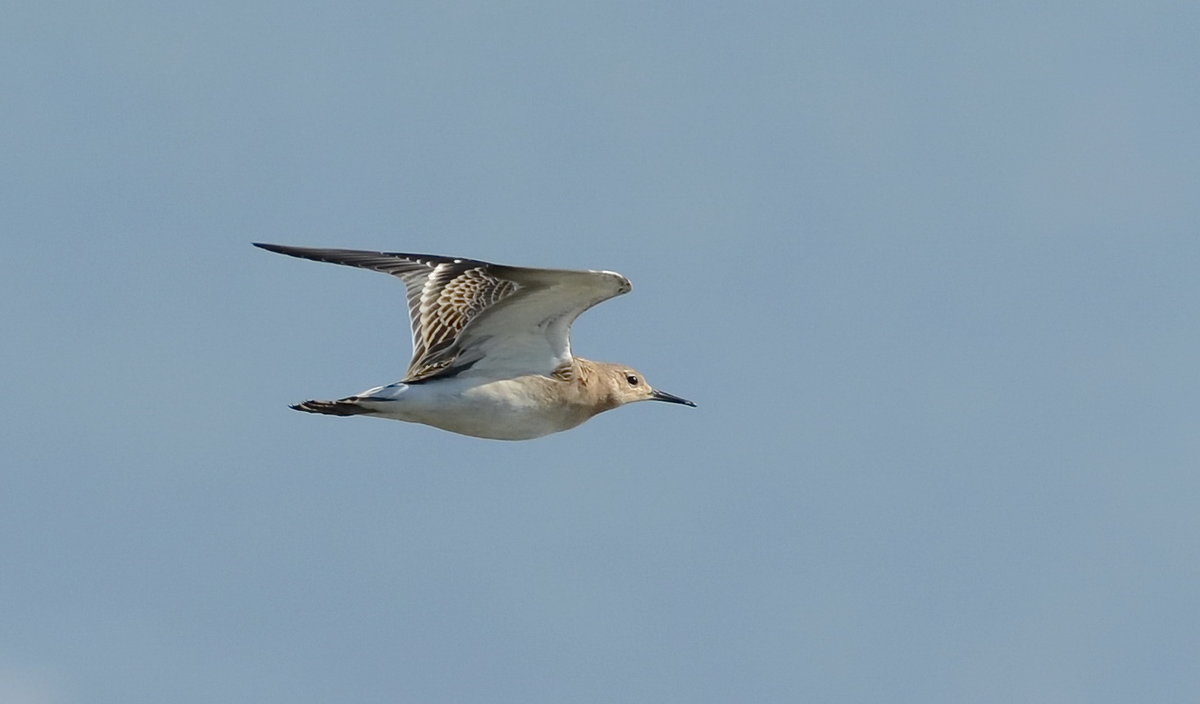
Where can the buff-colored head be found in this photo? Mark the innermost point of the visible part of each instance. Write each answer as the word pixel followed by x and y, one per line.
pixel 621 385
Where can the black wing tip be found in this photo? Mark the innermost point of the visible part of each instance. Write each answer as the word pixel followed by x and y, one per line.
pixel 277 248
pixel 364 258
pixel 290 249
pixel 313 253
pixel 341 407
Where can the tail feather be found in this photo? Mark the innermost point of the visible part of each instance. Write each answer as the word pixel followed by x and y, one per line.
pixel 342 407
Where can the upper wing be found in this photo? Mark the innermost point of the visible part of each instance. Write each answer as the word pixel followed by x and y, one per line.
pixel 469 314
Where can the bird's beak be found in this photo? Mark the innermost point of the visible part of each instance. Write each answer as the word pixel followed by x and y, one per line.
pixel 657 395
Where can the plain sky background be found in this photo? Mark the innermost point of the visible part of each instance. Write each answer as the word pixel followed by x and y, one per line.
pixel 931 271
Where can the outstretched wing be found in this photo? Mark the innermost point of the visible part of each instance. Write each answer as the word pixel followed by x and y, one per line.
pixel 468 314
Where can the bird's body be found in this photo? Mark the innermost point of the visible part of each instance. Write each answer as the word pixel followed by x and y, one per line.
pixel 518 408
pixel 491 348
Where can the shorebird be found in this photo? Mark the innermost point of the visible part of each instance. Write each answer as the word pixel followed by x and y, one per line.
pixel 491 347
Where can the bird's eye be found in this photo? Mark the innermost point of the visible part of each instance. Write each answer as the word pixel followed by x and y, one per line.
pixel 633 380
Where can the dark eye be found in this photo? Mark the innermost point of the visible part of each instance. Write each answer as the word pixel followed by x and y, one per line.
pixel 633 380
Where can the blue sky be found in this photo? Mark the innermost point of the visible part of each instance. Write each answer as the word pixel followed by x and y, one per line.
pixel 929 270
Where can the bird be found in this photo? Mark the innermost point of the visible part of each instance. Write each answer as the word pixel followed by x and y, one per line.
pixel 491 347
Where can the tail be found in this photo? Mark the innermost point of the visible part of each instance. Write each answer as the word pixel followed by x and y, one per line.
pixel 348 406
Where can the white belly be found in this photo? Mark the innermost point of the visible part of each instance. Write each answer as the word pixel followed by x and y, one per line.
pixel 510 409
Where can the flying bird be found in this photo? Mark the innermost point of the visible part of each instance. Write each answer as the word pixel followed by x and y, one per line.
pixel 491 347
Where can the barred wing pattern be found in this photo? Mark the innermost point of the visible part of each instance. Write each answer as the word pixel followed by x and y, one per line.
pixel 465 313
